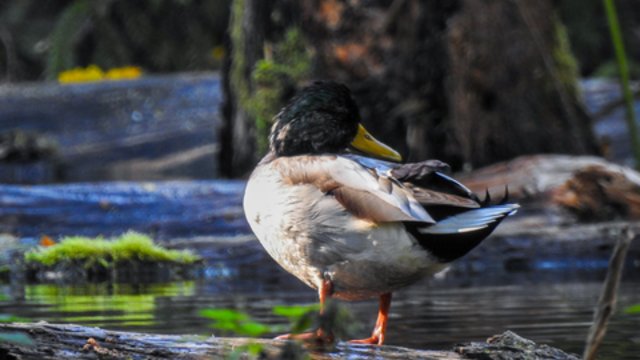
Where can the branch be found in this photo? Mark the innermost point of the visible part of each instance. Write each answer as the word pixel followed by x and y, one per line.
pixel 607 301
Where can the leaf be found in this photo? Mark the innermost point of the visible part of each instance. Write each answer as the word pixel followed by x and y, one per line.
pixel 301 317
pixel 295 311
pixel 223 314
pixel 254 349
pixel 235 321
pixel 632 310
pixel 253 329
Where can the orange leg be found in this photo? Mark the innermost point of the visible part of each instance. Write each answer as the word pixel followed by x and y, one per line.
pixel 319 336
pixel 377 337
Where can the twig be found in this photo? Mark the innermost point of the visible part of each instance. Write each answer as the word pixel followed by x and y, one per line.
pixel 607 301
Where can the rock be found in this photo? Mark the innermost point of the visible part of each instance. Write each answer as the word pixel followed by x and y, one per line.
pixel 509 345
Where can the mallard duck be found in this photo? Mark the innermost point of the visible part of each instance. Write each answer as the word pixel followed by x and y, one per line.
pixel 336 208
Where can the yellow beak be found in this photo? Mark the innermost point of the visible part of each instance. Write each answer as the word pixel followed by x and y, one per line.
pixel 369 145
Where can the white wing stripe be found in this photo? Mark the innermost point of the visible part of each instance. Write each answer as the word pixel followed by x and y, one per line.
pixel 471 220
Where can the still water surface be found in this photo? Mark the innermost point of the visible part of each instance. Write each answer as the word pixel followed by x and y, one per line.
pixel 430 315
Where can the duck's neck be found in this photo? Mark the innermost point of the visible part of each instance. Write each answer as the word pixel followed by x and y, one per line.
pixel 269 157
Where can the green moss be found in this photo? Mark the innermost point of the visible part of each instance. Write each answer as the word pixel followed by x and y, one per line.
pixel 131 246
pixel 239 82
pixel 566 65
pixel 289 63
pixel 261 87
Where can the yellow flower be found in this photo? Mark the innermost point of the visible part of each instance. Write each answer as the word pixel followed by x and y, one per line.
pixel 94 73
pixel 76 75
pixel 127 72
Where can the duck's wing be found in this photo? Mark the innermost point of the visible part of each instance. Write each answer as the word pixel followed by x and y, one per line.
pixel 426 181
pixel 462 220
pixel 364 192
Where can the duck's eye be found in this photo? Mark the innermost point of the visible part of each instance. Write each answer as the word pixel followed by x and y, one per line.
pixel 368 137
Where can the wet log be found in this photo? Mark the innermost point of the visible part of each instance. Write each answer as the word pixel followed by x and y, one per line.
pixel 591 188
pixel 52 341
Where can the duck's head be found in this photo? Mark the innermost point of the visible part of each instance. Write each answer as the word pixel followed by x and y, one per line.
pixel 324 118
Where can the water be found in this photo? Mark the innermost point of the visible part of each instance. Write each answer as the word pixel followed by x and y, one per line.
pixel 543 287
pixel 428 315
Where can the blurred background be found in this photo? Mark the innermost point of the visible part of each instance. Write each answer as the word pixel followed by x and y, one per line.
pixel 168 88
pixel 147 115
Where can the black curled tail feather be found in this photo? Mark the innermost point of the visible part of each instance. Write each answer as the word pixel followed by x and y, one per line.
pixel 487 197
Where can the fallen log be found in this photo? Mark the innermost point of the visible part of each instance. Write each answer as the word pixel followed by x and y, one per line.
pixel 53 341
pixel 589 187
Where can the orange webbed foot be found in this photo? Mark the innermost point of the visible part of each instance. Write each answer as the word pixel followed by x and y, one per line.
pixel 378 335
pixel 373 340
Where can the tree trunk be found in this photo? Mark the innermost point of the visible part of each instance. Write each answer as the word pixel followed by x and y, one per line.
pixel 248 25
pixel 513 83
pixel 468 82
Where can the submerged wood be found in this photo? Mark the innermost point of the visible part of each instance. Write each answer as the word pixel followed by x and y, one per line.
pixel 54 341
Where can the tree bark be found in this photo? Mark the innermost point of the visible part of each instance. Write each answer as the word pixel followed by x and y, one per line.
pixel 255 26
pixel 513 83
pixel 247 27
pixel 467 82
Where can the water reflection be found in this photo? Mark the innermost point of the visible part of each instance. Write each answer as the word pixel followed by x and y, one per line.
pixel 122 305
pixel 427 315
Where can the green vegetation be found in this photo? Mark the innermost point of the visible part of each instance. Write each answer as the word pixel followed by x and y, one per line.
pixel 102 304
pixel 623 68
pixel 566 65
pixel 288 62
pixel 334 319
pixel 262 88
pixel 301 317
pixel 235 322
pixel 131 246
pixel 8 318
pixel 632 310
